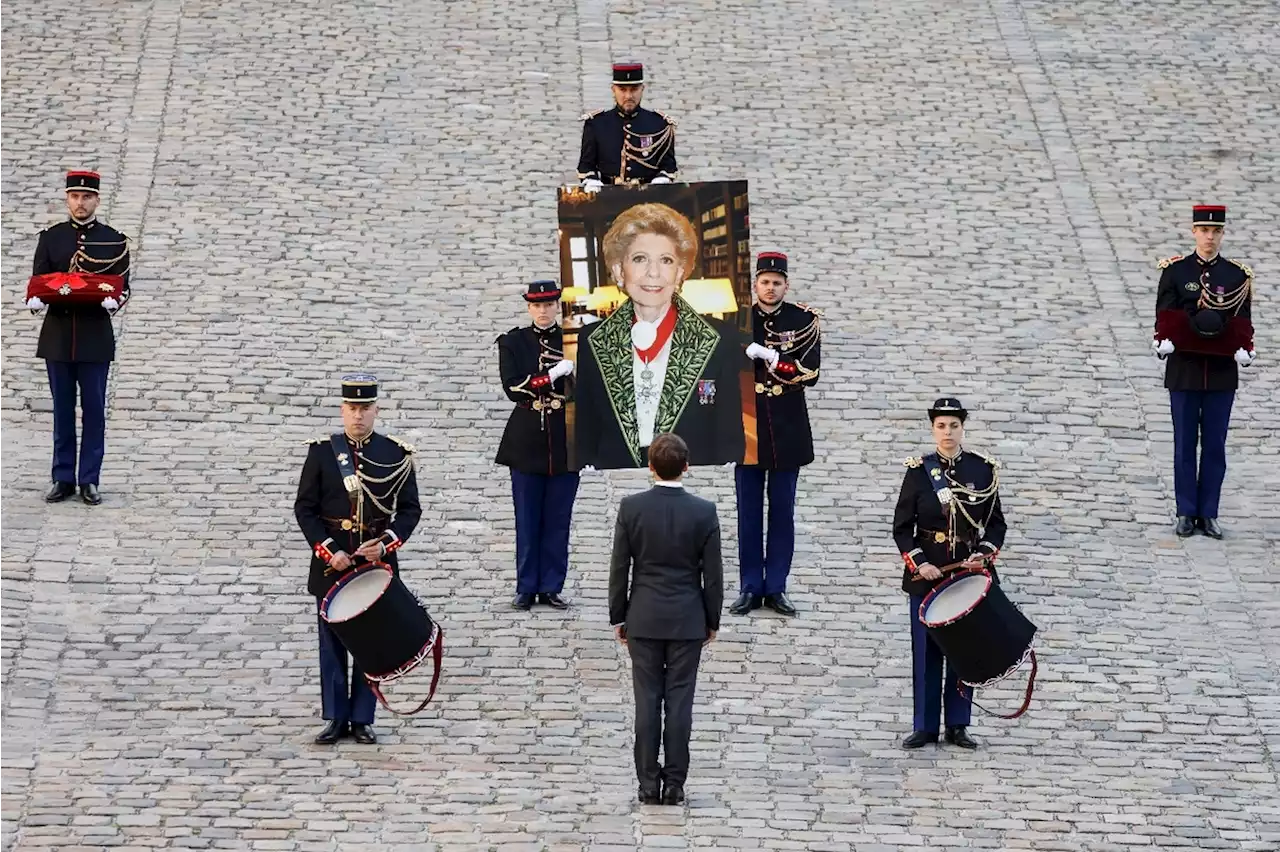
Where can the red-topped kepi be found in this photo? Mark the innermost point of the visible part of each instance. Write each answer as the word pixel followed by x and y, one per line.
pixel 83 180
pixel 771 261
pixel 1209 214
pixel 628 73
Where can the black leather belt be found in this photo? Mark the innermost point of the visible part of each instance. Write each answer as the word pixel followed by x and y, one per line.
pixel 349 525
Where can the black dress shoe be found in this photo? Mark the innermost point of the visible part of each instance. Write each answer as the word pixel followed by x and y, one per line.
pixel 553 600
pixel 919 739
pixel 673 794
pixel 89 494
pixel 522 602
pixel 745 603
pixel 332 732
pixel 363 734
pixel 958 736
pixel 780 604
pixel 1211 527
pixel 1186 526
pixel 649 797
pixel 59 492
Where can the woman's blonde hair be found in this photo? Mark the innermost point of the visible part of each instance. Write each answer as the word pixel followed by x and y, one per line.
pixel 651 219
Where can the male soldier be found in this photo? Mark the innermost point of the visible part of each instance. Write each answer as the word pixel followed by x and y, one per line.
pixel 1216 294
pixel 357 503
pixel 78 341
pixel 787 350
pixel 534 376
pixel 627 144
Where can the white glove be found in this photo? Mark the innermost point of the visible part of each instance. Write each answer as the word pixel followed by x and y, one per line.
pixel 729 465
pixel 592 185
pixel 661 179
pixel 1163 348
pixel 35 304
pixel 560 370
pixel 1243 358
pixel 590 468
pixel 764 353
pixel 110 303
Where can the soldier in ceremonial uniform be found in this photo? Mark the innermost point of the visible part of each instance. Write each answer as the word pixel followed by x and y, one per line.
pixel 787 351
pixel 1216 293
pixel 627 144
pixel 535 376
pixel 78 341
pixel 357 503
pixel 948 518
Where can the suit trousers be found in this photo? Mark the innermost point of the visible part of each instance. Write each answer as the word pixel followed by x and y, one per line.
pixel 1200 418
pixel 664 673
pixel 930 687
pixel 764 559
pixel 342 700
pixel 544 510
pixel 90 377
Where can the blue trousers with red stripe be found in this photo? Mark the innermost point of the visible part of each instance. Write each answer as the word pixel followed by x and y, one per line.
pixel 931 687
pixel 90 378
pixel 544 511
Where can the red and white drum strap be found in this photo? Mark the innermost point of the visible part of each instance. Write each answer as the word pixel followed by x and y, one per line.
pixel 436 649
pixel 1026 698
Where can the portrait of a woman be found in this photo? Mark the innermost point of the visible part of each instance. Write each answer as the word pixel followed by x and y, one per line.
pixel 655 365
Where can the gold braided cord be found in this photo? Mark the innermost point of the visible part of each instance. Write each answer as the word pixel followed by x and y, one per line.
pixel 1232 301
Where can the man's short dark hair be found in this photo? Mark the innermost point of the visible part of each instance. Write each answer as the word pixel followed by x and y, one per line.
pixel 668 455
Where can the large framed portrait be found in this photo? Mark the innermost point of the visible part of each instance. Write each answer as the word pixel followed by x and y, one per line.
pixel 657 317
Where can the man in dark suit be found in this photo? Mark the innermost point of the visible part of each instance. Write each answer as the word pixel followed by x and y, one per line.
pixel 666 587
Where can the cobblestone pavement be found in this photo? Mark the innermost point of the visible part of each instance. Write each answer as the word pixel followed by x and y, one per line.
pixel 974 193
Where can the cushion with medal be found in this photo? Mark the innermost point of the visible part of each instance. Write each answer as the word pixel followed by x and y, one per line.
pixel 1206 332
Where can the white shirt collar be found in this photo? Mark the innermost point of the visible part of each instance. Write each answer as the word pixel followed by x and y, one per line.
pixel 662 483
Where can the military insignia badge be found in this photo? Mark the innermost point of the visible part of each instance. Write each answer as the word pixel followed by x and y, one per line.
pixel 935 472
pixel 646 141
pixel 706 391
pixel 1192 286
pixel 945 496
pixel 342 458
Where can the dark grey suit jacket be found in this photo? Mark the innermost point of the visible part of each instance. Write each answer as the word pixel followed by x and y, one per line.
pixel 665 579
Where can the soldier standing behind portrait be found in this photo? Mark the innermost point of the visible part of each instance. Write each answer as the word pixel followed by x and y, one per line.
pixel 535 377
pixel 357 503
pixel 78 341
pixel 1216 293
pixel 787 351
pixel 626 143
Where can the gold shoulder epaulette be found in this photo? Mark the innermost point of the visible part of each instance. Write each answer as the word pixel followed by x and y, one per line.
pixel 668 119
pixel 1248 273
pixel 317 441
pixel 1168 260
pixel 991 460
pixel 802 306
pixel 587 116
pixel 914 461
pixel 404 445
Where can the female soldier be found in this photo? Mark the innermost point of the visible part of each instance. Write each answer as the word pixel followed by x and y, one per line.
pixel 948 518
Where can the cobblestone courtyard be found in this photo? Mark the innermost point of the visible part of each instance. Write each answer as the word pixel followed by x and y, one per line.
pixel 974 194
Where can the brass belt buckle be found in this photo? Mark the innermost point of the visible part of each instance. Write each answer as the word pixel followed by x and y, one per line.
pixel 347 524
pixel 760 387
pixel 939 537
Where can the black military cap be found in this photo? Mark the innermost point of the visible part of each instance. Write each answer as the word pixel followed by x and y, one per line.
pixel 360 388
pixel 545 290
pixel 628 73
pixel 771 261
pixel 948 406
pixel 83 181
pixel 1208 322
pixel 1209 214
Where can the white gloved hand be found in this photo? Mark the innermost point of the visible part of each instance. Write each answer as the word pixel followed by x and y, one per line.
pixel 661 179
pixel 729 465
pixel 560 370
pixel 1244 358
pixel 1163 348
pixel 764 353
pixel 35 304
pixel 110 303
pixel 592 185
pixel 589 468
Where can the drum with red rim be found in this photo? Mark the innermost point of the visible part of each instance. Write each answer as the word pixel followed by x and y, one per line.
pixel 384 627
pixel 980 631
